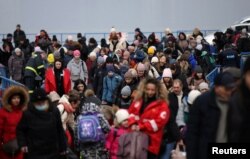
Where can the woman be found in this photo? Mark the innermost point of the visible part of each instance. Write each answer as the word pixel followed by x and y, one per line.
pixel 167 79
pixel 16 64
pixel 40 133
pixel 14 100
pixel 58 79
pixel 197 79
pixel 78 68
pixel 149 113
pixel 81 87
pixel 162 64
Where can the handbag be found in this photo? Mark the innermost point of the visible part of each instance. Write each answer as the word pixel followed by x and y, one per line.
pixel 11 147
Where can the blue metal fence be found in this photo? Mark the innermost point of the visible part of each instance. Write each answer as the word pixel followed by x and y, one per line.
pixel 211 76
pixel 98 36
pixel 5 83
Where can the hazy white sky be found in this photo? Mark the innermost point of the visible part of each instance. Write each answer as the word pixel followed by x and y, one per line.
pixel 72 16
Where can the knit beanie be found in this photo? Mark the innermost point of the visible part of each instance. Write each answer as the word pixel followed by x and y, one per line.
pixel 198 69
pixel 167 73
pixel 121 115
pixel 110 68
pixel 92 54
pixel 17 50
pixel 203 85
pixel 154 60
pixel 192 96
pixel 126 91
pixel 128 74
pixel 151 50
pixel 51 58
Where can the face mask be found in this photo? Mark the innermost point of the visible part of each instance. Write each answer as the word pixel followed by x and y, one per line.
pixel 42 107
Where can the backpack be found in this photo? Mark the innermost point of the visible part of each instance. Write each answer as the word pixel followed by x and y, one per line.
pixel 133 145
pixel 208 61
pixel 89 129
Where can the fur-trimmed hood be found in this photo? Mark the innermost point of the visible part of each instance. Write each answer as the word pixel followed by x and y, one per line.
pixel 15 90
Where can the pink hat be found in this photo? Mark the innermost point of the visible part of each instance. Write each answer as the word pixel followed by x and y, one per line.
pixel 76 53
pixel 167 73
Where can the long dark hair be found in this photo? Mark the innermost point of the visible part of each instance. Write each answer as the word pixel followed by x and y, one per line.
pixel 77 82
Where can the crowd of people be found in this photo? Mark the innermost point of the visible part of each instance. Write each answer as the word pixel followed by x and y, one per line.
pixel 81 98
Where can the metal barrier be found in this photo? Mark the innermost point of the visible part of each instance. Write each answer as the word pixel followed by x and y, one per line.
pixel 98 36
pixel 211 76
pixel 5 83
pixel 243 58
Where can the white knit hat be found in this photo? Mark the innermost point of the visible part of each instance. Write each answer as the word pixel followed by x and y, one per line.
pixel 203 85
pixel 70 38
pixel 92 54
pixel 192 95
pixel 17 50
pixel 154 60
pixel 38 49
pixel 121 115
pixel 167 73
pixel 112 29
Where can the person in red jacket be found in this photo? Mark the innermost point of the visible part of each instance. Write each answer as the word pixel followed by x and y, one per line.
pixel 14 100
pixel 149 113
pixel 58 79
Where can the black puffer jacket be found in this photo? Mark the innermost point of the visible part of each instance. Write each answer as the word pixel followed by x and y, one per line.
pixel 238 118
pixel 42 132
pixel 202 125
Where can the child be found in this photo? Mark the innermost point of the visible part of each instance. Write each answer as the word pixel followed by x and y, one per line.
pixel 90 130
pixel 120 128
pixel 124 100
pixel 110 83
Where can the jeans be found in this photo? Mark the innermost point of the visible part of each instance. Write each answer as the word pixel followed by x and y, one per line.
pixel 167 153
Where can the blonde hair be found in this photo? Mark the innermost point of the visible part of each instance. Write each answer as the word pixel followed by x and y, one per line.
pixel 89 93
pixel 161 91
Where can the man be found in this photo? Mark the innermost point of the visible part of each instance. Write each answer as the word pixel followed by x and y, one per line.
pixel 34 71
pixel 176 101
pixel 208 117
pixel 238 120
pixel 229 57
pixel 18 35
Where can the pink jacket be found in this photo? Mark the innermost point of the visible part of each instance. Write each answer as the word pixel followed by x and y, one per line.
pixel 112 141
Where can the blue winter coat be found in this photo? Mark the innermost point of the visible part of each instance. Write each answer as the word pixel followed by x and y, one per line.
pixel 109 86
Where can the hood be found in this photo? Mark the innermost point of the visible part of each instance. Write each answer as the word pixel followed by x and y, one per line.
pixel 15 90
pixel 91 108
pixel 64 99
pixel 203 53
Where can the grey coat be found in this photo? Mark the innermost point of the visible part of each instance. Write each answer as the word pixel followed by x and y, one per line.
pixel 16 65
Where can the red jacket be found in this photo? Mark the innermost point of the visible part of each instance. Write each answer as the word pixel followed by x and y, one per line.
pixel 10 117
pixel 152 121
pixel 8 124
pixel 50 81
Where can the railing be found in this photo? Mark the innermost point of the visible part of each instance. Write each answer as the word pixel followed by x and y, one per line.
pixel 5 83
pixel 243 58
pixel 98 36
pixel 211 76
